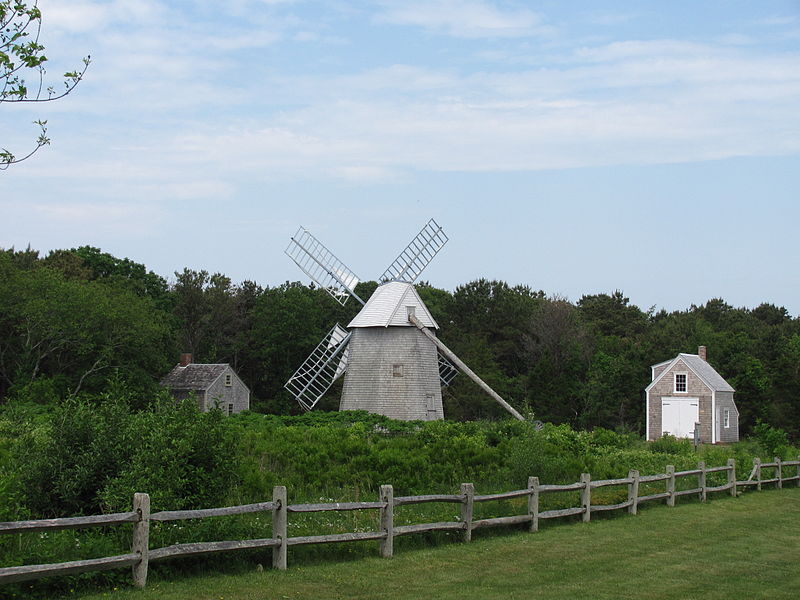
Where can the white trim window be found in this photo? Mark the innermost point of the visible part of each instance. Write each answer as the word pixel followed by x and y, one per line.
pixel 681 383
pixel 228 380
pixel 726 418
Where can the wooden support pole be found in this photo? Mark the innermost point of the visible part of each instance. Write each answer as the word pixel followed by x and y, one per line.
pixel 468 503
pixel 779 472
pixel 387 521
pixel 757 467
pixel 464 368
pixel 586 496
pixel 671 485
pixel 533 503
pixel 141 538
pixel 279 527
pixel 732 476
pixel 702 480
pixel 633 492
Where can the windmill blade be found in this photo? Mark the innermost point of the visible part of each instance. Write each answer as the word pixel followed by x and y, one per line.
pixel 319 263
pixel 323 366
pixel 417 255
pixel 447 370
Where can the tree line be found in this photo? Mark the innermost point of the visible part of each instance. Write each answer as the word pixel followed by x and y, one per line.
pixel 75 320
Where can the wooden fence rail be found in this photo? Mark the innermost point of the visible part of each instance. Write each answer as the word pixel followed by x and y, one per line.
pixel 141 555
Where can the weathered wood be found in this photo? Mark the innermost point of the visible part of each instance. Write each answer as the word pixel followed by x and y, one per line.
pixel 335 538
pixel 718 469
pixel 719 488
pixel 688 492
pixel 732 476
pixel 498 521
pixel 670 485
pixel 601 507
pixel 569 487
pixel 141 538
pixel 28 572
pixel 701 479
pixel 387 521
pixel 746 483
pixel 197 548
pixel 607 482
pixel 757 469
pixel 651 478
pixel 334 506
pixel 180 515
pixel 279 526
pixel 633 492
pixel 688 473
pixel 659 496
pixel 779 472
pixel 533 503
pixel 422 527
pixel 502 496
pixel 68 523
pixel 468 493
pixel 401 500
pixel 561 512
pixel 586 496
pixel 464 368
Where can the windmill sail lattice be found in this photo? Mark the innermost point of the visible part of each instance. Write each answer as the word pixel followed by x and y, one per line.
pixel 417 255
pixel 324 365
pixel 319 263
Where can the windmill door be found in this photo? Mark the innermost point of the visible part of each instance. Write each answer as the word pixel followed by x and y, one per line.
pixel 678 416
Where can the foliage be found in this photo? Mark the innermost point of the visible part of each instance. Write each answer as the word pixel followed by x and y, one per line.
pixel 21 52
pixel 774 441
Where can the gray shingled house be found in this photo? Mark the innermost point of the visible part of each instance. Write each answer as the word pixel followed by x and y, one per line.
pixel 213 385
pixel 686 390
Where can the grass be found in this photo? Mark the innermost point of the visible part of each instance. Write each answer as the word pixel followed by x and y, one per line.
pixel 745 548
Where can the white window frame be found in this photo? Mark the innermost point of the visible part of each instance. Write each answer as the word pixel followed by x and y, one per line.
pixel 228 380
pixel 726 418
pixel 685 382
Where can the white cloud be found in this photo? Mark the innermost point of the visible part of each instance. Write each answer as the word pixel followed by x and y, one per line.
pixel 462 18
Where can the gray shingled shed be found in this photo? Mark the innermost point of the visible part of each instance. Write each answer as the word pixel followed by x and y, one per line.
pixel 686 390
pixel 214 385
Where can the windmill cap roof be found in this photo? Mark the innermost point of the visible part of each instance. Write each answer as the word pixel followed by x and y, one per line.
pixel 389 305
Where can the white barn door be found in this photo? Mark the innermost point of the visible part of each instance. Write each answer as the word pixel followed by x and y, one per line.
pixel 678 416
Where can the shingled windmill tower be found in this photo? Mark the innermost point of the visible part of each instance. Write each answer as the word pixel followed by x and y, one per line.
pixel 392 361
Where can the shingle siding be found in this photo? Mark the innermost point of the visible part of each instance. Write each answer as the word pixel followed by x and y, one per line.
pixel 207 383
pixel 370 382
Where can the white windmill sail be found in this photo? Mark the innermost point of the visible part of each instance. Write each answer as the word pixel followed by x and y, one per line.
pixel 417 255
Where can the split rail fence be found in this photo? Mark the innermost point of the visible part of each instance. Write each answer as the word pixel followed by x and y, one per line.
pixel 141 555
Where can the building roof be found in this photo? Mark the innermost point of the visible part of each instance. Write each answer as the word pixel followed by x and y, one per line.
pixel 193 376
pixel 701 368
pixel 387 307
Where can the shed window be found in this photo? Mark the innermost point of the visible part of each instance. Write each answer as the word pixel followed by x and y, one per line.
pixel 228 379
pixel 680 382
pixel 397 370
pixel 230 409
pixel 726 418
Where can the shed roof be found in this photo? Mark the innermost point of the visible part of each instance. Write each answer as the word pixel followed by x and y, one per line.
pixel 193 376
pixel 701 368
pixel 387 307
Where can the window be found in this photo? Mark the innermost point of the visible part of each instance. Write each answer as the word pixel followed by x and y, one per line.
pixel 230 409
pixel 397 370
pixel 726 418
pixel 228 379
pixel 680 382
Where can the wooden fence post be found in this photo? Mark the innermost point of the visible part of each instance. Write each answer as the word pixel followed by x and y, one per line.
pixel 757 466
pixel 732 476
pixel 468 491
pixel 141 538
pixel 533 503
pixel 279 527
pixel 779 472
pixel 671 485
pixel 702 480
pixel 633 492
pixel 798 471
pixel 586 496
pixel 387 521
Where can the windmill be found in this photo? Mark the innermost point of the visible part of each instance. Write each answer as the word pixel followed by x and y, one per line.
pixel 393 363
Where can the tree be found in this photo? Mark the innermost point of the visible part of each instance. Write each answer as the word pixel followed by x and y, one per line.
pixel 21 52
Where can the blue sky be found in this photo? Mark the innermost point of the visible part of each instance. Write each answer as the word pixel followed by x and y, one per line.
pixel 576 147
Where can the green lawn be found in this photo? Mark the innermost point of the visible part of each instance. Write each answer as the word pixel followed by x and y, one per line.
pixel 748 547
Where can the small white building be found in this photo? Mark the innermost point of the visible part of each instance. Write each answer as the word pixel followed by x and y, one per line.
pixel 214 385
pixel 686 390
